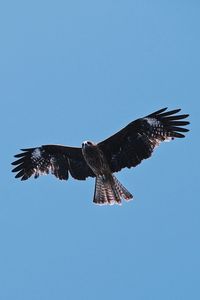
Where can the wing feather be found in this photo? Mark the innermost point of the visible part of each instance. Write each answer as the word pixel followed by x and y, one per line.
pixel 135 142
pixel 55 159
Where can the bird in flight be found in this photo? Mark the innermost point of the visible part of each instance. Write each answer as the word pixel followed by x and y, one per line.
pixel 126 148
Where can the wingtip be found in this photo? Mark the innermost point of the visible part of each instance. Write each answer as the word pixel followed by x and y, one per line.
pixel 27 149
pixel 17 175
pixel 157 112
pixel 177 109
pixel 161 110
pixel 186 115
pixel 19 155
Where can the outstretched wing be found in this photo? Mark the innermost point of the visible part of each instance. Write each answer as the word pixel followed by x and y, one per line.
pixel 136 141
pixel 55 159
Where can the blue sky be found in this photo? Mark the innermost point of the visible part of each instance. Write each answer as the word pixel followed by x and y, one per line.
pixel 77 70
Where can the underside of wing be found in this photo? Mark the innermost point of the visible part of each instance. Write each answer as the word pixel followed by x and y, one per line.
pixel 135 142
pixel 55 159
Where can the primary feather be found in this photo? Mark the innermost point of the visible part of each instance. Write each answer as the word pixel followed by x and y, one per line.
pixel 136 141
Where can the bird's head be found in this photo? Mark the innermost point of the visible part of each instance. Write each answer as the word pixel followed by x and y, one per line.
pixel 87 144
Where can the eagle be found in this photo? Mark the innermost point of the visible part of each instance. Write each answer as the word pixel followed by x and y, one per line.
pixel 125 149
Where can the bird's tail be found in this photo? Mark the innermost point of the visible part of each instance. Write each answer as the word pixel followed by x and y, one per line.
pixel 108 190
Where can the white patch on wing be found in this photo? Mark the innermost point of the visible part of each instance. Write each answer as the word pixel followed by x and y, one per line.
pixel 52 166
pixel 36 154
pixel 153 122
pixel 52 160
pixel 158 130
pixel 168 139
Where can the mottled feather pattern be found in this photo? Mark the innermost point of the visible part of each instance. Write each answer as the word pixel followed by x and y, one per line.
pixel 110 191
pixel 52 159
pixel 137 140
pixel 41 164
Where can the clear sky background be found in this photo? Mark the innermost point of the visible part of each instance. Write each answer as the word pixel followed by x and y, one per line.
pixel 77 70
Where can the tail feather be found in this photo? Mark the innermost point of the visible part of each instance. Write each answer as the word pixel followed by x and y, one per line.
pixel 124 193
pixel 110 191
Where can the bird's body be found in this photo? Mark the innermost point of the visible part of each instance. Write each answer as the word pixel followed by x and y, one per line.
pixel 107 187
pixel 95 158
pixel 126 148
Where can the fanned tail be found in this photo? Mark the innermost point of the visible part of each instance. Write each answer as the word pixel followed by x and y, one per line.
pixel 108 190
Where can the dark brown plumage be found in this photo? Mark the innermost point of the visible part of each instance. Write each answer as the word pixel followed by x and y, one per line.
pixel 126 148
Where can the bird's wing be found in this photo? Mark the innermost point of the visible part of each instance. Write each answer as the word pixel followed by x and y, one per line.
pixel 55 159
pixel 136 141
